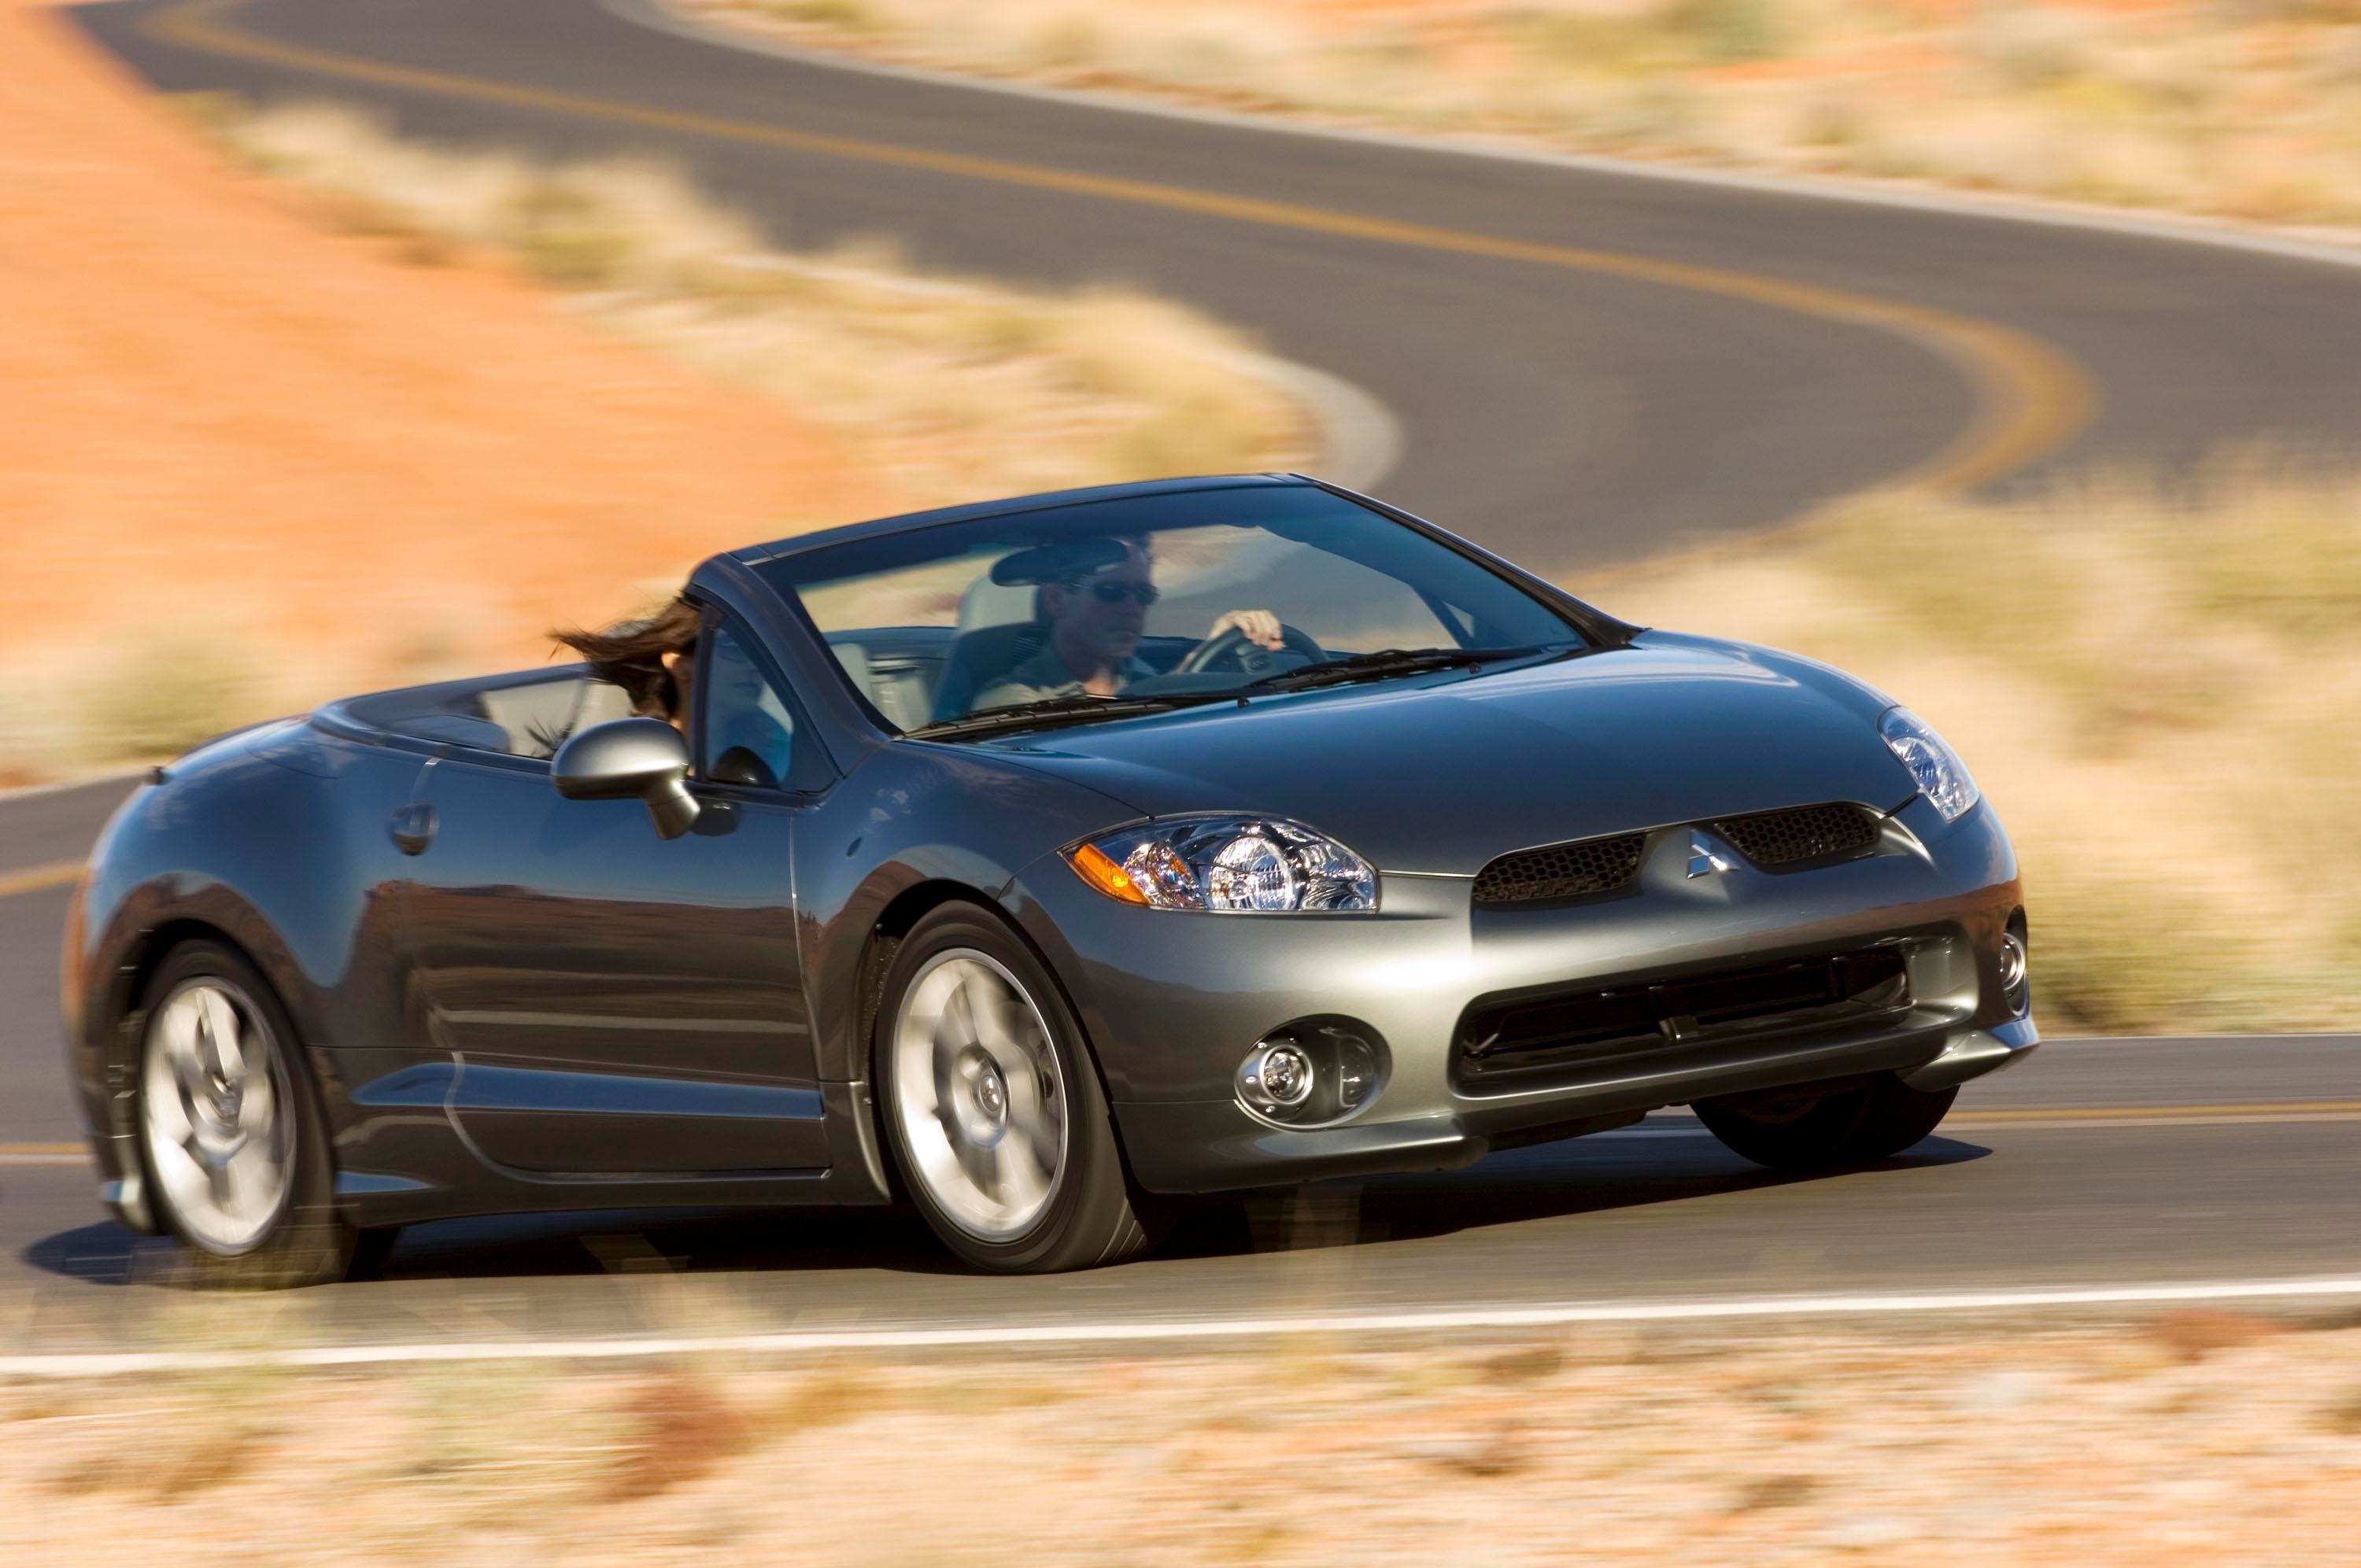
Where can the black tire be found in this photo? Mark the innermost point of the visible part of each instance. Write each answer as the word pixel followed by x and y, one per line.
pixel 307 1242
pixel 1859 1126
pixel 1091 1216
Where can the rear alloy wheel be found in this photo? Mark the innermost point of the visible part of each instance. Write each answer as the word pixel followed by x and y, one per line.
pixel 1803 1131
pixel 233 1145
pixel 998 1127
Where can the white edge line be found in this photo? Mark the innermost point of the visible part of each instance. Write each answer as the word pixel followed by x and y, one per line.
pixel 2292 1037
pixel 665 17
pixel 2000 1121
pixel 119 1364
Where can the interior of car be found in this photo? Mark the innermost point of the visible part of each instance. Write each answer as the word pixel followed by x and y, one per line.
pixel 527 715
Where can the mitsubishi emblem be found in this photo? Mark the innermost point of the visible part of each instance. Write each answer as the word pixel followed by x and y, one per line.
pixel 1704 859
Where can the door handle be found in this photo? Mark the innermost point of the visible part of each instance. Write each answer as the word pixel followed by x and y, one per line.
pixel 413 827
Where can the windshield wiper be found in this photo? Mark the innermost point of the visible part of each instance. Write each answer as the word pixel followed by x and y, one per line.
pixel 1075 708
pixel 1384 665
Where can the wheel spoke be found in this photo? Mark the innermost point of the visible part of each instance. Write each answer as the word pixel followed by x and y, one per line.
pixel 1030 1112
pixel 257 1110
pixel 255 1181
pixel 165 1096
pixel 221 1020
pixel 968 1011
pixel 175 1031
pixel 1018 1178
pixel 976 1166
pixel 181 1175
pixel 991 1011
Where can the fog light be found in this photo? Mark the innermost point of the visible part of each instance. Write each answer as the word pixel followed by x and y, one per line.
pixel 1276 1075
pixel 1314 1072
pixel 2016 982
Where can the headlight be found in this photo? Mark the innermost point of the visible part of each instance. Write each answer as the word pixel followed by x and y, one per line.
pixel 1234 865
pixel 1942 777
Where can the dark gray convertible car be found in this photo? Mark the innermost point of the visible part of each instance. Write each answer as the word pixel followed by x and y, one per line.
pixel 1036 863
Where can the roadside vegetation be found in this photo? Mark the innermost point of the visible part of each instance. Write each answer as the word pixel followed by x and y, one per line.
pixel 2194 1436
pixel 2247 111
pixel 2155 686
pixel 946 388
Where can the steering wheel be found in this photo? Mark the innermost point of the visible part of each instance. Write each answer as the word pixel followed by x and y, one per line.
pixel 1232 644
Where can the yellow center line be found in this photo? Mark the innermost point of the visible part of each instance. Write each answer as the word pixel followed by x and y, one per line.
pixel 2137 1113
pixel 39 879
pixel 44 1149
pixel 2031 396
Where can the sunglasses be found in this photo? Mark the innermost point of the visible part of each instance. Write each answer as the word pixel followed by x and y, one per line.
pixel 1142 594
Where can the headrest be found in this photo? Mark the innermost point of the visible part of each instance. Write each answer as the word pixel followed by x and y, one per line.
pixel 1058 562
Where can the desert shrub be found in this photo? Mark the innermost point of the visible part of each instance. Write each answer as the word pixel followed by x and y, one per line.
pixel 1729 31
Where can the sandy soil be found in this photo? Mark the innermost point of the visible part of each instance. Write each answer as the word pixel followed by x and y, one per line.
pixel 224 422
pixel 2193 1438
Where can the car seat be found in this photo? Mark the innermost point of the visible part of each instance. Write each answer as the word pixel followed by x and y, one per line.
pixel 1000 626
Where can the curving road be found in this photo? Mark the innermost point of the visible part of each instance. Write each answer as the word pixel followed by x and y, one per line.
pixel 1585 365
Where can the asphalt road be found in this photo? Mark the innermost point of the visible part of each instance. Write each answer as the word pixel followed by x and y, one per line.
pixel 1585 366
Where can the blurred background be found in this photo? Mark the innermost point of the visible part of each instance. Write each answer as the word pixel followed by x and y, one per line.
pixel 2006 353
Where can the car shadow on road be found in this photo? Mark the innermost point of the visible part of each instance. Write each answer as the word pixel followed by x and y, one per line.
pixel 550 1246
pixel 1550 1182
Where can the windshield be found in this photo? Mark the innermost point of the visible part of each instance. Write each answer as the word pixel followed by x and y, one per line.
pixel 1159 600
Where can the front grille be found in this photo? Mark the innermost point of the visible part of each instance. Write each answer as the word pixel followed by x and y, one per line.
pixel 1561 870
pixel 1509 1041
pixel 1806 833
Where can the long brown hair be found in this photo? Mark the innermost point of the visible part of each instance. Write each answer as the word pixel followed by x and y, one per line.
pixel 629 654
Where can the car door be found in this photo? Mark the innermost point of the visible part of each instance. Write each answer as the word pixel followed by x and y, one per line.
pixel 618 1002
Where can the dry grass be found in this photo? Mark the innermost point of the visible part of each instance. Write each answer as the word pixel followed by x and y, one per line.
pixel 678 1430
pixel 2245 110
pixel 2155 690
pixel 947 388
pixel 2219 1438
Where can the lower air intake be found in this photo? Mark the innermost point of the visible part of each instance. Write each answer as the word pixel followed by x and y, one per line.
pixel 1516 1041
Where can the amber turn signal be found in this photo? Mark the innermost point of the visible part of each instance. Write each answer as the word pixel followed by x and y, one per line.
pixel 1099 869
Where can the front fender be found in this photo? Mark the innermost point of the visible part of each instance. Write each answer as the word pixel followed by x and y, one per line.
pixel 290 865
pixel 915 817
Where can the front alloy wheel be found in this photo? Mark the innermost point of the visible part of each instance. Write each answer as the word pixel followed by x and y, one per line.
pixel 980 1095
pixel 233 1145
pixel 216 1116
pixel 998 1127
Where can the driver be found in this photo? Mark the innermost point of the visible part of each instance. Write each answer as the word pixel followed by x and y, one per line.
pixel 1092 622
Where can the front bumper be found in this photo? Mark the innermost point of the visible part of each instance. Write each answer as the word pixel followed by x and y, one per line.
pixel 1173 1003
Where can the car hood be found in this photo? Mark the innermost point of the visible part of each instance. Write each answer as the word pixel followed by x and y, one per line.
pixel 1440 774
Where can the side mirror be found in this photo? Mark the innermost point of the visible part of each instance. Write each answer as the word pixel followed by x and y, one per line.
pixel 629 759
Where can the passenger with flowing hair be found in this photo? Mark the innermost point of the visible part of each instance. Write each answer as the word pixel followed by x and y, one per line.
pixel 652 658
